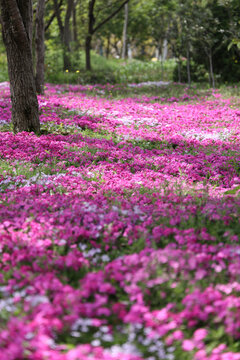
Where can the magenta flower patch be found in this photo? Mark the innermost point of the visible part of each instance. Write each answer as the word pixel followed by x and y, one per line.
pixel 119 228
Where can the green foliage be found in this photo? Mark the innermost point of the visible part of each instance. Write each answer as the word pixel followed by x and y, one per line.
pixel 139 71
pixel 208 26
pixel 3 64
pixel 104 70
pixel 198 72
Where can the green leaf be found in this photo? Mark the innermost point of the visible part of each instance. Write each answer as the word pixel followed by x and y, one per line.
pixel 233 191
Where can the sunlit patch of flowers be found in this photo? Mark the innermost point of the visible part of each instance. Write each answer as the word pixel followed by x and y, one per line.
pixel 119 229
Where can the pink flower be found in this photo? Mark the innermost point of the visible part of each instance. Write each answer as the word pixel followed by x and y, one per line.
pixel 200 355
pixel 178 335
pixel 188 345
pixel 200 334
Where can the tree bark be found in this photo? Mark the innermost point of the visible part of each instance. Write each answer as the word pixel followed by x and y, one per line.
pixel 88 40
pixel 125 26
pixel 157 52
pixel 211 70
pixel 92 29
pixel 67 37
pixel 74 19
pixel 65 33
pixel 164 49
pixel 117 49
pixel 17 31
pixel 179 71
pixel 188 64
pixel 162 67
pixel 40 48
pixel 108 46
pixel 88 52
pixel 57 9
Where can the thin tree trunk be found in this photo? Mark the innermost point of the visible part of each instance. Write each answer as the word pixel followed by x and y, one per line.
pixel 88 40
pixel 67 37
pixel 92 29
pixel 164 49
pixel 129 50
pixel 211 70
pixel 125 26
pixel 16 25
pixel 88 52
pixel 209 76
pixel 188 65
pixel 59 19
pixel 157 53
pixel 100 47
pixel 75 34
pixel 117 49
pixel 162 67
pixel 65 34
pixel 163 55
pixel 179 71
pixel 108 46
pixel 40 48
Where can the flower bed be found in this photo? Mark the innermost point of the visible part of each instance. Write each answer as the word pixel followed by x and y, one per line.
pixel 119 229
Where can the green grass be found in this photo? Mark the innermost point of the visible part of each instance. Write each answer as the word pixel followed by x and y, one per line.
pixel 3 66
pixel 105 70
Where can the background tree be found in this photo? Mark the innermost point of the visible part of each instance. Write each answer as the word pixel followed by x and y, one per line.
pixel 40 46
pixel 125 26
pixel 64 30
pixel 16 19
pixel 111 35
pixel 139 34
pixel 94 26
pixel 161 17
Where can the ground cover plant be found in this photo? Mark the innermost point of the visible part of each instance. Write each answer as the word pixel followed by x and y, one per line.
pixel 119 226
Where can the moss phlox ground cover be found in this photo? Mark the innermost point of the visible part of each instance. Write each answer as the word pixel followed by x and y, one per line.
pixel 119 228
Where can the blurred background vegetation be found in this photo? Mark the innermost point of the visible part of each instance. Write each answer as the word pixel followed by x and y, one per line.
pixel 183 41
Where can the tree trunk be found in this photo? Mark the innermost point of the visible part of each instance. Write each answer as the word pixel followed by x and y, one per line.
pixel 157 52
pixel 164 49
pixel 92 29
pixel 57 9
pixel 117 49
pixel 100 47
pixel 188 65
pixel 129 50
pixel 211 70
pixel 179 71
pixel 17 30
pixel 162 67
pixel 108 46
pixel 74 19
pixel 40 48
pixel 65 33
pixel 124 48
pixel 88 52
pixel 88 39
pixel 67 37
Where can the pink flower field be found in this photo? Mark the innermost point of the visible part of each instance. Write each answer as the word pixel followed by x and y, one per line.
pixel 119 228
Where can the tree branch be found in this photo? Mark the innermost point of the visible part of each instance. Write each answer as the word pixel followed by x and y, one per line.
pixel 110 16
pixel 91 17
pixel 53 16
pixel 58 15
